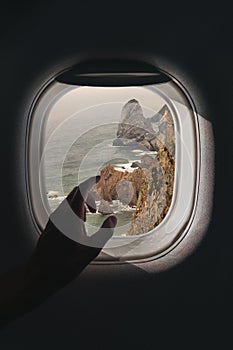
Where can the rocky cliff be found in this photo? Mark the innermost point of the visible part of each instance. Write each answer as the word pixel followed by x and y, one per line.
pixel 151 133
pixel 134 128
pixel 124 186
pixel 154 198
pixel 163 126
pixel 149 186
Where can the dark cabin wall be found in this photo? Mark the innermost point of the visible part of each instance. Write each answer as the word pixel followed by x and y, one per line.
pixel 134 309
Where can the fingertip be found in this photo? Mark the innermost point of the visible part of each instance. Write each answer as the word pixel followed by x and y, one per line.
pixel 113 220
pixel 91 209
pixel 110 222
pixel 72 193
pixel 90 202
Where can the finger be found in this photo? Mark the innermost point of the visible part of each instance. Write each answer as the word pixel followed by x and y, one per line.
pixel 90 202
pixel 110 222
pixel 77 198
pixel 100 238
pixel 85 215
pixel 63 217
pixel 71 194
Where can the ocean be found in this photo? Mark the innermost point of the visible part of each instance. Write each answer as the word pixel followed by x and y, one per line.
pixel 78 149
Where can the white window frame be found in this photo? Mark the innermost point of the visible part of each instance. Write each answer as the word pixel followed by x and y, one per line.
pixel 175 225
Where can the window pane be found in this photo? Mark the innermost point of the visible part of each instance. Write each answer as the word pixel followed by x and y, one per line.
pixel 127 135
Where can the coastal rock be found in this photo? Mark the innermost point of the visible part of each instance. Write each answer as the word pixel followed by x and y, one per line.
pixel 155 195
pixel 104 208
pixel 133 126
pixel 126 191
pixel 148 187
pixel 150 133
pixel 122 185
pixel 163 125
pixel 148 161
pixel 106 186
pixel 132 121
pixel 135 165
pixel 124 142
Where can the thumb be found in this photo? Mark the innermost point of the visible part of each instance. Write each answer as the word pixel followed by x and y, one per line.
pixel 100 238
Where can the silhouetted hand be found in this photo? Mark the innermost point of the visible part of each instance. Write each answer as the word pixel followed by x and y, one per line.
pixel 57 259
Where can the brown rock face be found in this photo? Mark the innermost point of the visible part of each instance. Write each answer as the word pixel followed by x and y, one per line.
pixel 104 208
pixel 149 187
pixel 155 134
pixel 133 124
pixel 124 186
pixel 163 126
pixel 155 196
pixel 151 133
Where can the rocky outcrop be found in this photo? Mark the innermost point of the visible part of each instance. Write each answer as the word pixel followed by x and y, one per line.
pixel 163 126
pixel 149 187
pixel 124 186
pixel 155 195
pixel 133 127
pixel 104 208
pixel 150 133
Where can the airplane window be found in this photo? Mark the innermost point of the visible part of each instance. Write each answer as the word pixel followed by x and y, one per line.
pixel 131 146
pixel 141 140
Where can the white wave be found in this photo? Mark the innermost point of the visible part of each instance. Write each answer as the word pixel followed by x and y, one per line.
pixel 126 167
pixel 137 151
pixel 149 152
pixel 116 206
pixel 52 194
pixel 135 160
pixel 119 169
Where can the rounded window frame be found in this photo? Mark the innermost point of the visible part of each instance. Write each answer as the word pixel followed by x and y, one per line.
pixel 36 124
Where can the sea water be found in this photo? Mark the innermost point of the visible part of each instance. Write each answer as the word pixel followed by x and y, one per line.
pixel 76 151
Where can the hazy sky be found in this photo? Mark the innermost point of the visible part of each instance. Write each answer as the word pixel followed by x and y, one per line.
pixel 81 98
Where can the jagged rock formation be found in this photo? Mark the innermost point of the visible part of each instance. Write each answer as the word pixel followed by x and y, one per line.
pixel 104 207
pixel 155 195
pixel 149 186
pixel 151 133
pixel 163 125
pixel 124 186
pixel 134 127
